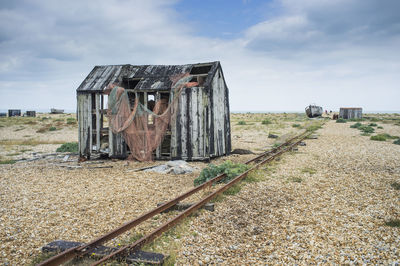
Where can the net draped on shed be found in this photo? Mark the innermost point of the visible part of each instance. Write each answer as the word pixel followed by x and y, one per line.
pixel 142 129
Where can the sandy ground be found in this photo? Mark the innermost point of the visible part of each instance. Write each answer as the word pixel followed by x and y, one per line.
pixel 339 209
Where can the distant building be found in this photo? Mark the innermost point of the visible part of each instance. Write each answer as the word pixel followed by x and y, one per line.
pixel 31 113
pixel 14 112
pixel 350 112
pixel 56 111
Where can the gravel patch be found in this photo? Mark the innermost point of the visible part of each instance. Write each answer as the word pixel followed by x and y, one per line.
pixel 327 203
pixel 41 202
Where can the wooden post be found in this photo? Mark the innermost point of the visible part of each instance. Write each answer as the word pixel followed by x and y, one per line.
pixel 97 122
pixel 158 150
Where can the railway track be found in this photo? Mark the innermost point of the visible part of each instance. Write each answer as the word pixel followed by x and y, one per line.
pixel 82 250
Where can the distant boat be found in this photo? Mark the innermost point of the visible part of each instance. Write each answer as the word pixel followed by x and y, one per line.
pixel 56 111
pixel 314 111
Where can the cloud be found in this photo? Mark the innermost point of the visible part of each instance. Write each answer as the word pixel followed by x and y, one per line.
pixel 314 26
pixel 308 51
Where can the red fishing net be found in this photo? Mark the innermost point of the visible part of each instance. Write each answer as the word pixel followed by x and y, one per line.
pixel 142 129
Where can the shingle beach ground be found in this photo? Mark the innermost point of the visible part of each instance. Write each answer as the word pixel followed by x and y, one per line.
pixel 328 202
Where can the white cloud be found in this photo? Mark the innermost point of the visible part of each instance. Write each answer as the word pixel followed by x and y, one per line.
pixel 330 52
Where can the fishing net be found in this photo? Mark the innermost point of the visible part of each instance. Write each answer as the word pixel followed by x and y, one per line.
pixel 143 129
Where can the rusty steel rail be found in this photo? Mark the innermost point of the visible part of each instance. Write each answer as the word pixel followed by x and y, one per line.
pixel 276 148
pixel 84 249
pixel 139 243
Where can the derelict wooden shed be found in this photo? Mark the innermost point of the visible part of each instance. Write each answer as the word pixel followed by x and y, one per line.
pixel 200 131
pixel 350 112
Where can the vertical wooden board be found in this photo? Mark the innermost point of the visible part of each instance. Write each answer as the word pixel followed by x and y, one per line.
pixel 225 115
pixel 210 117
pixel 90 123
pixel 120 146
pixel 183 125
pixel 198 134
pixel 110 142
pixel 81 118
pixel 80 99
pixel 200 119
pixel 227 123
pixel 98 122
pixel 205 124
pixel 193 121
pixel 216 110
pixel 218 115
pixel 158 150
pixel 84 118
pixel 174 148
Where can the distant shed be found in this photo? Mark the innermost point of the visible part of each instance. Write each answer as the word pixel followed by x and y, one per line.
pixel 350 112
pixel 31 113
pixel 14 112
pixel 200 131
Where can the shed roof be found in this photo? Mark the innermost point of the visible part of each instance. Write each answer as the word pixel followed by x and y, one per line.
pixel 152 77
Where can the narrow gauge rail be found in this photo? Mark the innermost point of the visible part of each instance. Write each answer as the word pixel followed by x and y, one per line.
pixel 87 248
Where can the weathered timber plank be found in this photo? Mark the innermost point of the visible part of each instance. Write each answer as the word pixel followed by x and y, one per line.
pixel 98 126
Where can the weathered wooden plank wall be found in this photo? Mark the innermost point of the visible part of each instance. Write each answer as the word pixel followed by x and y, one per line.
pixel 188 130
pixel 98 117
pixel 218 113
pixel 85 124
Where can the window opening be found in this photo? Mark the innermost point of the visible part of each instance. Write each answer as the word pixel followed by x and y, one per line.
pixel 203 69
pixel 131 97
pixel 130 83
pixel 151 97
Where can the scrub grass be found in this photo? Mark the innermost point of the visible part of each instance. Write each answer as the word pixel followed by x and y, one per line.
pixel 31 142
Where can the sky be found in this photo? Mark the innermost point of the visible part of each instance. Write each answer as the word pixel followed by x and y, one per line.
pixel 276 55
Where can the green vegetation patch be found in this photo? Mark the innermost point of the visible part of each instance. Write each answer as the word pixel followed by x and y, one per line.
pixel 229 168
pixel 397 142
pixel 233 190
pixel 266 122
pixel 378 137
pixel 393 223
pixel 383 137
pixel 52 128
pixel 356 125
pixel 372 124
pixel 395 185
pixel 341 120
pixel 68 147
pixel 8 162
pixel 71 120
pixel 42 256
pixel 241 123
pixel 296 179
pixel 366 129
pixel 309 170
pixel 13 154
pixel 356 119
pixel 296 125
pixel 314 127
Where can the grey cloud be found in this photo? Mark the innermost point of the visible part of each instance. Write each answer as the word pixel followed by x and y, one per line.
pixel 327 25
pixel 47 48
